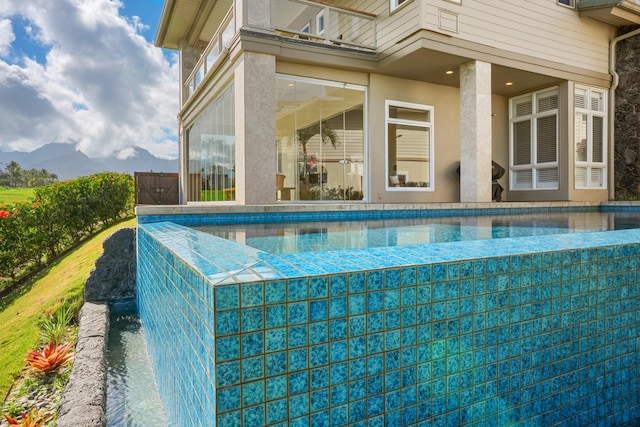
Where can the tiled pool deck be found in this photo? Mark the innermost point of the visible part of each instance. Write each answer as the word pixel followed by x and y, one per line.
pixel 537 331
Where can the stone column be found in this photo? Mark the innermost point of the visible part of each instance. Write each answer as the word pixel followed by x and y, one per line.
pixel 475 132
pixel 189 57
pixel 255 124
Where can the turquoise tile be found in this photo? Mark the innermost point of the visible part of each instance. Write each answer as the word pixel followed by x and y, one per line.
pixel 275 292
pixel 227 348
pixel 338 285
pixel 298 359
pixel 276 316
pixel 276 387
pixel 252 368
pixel 277 411
pixel 253 416
pixel 319 379
pixel 228 399
pixel 340 394
pixel 298 407
pixel 252 294
pixel 276 364
pixel 252 319
pixel 299 383
pixel 318 310
pixel 226 297
pixel 252 344
pixel 275 339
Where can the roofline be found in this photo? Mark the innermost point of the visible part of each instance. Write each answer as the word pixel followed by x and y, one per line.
pixel 163 25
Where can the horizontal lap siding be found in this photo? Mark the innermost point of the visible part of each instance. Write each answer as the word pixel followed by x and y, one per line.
pixel 538 28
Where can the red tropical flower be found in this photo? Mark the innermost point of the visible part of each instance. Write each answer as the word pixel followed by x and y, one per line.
pixel 4 214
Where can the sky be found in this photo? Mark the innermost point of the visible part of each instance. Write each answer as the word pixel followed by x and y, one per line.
pixel 86 72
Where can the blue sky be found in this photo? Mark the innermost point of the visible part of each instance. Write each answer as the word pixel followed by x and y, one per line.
pixel 86 72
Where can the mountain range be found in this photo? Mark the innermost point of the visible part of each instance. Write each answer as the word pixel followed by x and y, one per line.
pixel 67 163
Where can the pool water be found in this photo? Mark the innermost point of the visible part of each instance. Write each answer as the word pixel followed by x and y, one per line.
pixel 132 395
pixel 292 238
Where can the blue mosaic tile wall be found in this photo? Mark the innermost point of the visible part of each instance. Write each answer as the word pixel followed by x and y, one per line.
pixel 538 337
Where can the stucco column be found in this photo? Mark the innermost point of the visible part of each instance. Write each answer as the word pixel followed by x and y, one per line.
pixel 475 132
pixel 255 124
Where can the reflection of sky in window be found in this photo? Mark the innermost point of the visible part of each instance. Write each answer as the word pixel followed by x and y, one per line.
pixel 213 150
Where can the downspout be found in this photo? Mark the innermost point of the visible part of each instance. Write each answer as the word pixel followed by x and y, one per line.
pixel 612 104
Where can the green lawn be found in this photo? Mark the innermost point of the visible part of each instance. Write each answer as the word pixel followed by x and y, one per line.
pixel 10 195
pixel 20 311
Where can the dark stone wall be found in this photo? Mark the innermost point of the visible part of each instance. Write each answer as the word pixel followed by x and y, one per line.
pixel 627 119
pixel 114 276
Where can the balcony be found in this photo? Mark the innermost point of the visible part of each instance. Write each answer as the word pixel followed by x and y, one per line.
pixel 324 23
pixel 305 21
pixel 213 54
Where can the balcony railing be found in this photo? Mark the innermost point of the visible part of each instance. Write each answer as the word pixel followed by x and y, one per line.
pixel 319 21
pixel 213 53
pixel 307 20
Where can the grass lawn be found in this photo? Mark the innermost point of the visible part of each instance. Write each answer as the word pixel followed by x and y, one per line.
pixel 10 195
pixel 20 311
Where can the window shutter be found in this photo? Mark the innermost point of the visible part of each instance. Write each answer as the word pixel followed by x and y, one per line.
pixel 581 177
pixel 597 178
pixel 598 139
pixel 522 143
pixel 546 139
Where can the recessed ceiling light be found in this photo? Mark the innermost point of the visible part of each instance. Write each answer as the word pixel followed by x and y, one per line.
pixel 290 85
pixel 508 84
pixel 449 72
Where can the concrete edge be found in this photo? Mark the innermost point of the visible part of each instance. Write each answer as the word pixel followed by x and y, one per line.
pixel 84 398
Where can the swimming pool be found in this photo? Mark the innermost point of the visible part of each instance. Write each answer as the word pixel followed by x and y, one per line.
pixel 541 330
pixel 291 238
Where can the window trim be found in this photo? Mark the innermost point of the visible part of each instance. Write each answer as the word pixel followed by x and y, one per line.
pixel 320 24
pixel 533 166
pixel 571 4
pixel 427 125
pixel 395 5
pixel 589 164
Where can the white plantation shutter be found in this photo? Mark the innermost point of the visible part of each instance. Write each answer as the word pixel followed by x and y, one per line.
pixel 590 130
pixel 547 140
pixel 522 143
pixel 598 139
pixel 534 140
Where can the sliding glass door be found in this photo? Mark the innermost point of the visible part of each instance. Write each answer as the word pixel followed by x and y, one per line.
pixel 320 129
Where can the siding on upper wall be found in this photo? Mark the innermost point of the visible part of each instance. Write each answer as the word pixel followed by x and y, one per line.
pixel 536 28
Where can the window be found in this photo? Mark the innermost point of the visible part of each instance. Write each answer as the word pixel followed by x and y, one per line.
pixel 395 4
pixel 409 146
pixel 211 152
pixel 590 137
pixel 533 139
pixel 320 23
pixel 567 3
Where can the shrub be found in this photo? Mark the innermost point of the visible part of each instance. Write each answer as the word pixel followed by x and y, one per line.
pixel 50 358
pixel 33 418
pixel 60 215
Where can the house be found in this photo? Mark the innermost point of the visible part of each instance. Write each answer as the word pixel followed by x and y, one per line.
pixel 396 101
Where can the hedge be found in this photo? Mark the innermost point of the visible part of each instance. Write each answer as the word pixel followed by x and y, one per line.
pixel 58 217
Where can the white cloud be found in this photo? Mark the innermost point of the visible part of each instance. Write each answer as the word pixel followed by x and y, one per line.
pixel 101 85
pixel 6 36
